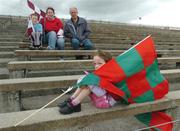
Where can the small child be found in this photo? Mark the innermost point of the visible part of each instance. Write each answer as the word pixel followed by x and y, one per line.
pixel 36 34
pixel 100 97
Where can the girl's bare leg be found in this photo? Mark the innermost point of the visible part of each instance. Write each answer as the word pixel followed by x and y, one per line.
pixel 85 91
pixel 76 93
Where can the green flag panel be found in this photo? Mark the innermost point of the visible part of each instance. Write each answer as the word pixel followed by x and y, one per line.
pixel 131 62
pixel 144 118
pixel 147 96
pixel 90 79
pixel 154 76
pixel 124 88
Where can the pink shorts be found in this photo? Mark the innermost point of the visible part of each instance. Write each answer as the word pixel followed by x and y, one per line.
pixel 100 98
pixel 105 101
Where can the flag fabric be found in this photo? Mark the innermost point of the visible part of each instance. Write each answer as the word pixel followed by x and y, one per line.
pixel 134 76
pixel 30 28
pixel 38 11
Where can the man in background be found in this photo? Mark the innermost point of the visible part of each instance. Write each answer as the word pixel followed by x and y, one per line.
pixel 78 31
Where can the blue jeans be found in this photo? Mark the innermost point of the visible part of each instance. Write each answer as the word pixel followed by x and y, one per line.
pixel 86 43
pixel 53 41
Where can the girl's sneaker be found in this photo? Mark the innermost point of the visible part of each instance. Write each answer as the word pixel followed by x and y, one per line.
pixel 63 104
pixel 70 108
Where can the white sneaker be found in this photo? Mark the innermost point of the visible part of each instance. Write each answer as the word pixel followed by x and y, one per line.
pixel 49 48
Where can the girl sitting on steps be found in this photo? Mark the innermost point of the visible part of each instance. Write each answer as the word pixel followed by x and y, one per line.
pixel 100 97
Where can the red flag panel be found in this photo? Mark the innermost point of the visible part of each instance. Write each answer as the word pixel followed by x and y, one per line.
pixel 160 118
pixel 147 51
pixel 138 84
pixel 111 71
pixel 159 92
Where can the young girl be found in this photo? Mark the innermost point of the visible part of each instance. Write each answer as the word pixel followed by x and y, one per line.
pixel 100 97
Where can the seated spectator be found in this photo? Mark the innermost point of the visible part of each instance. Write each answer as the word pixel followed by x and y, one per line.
pixel 53 28
pixel 99 96
pixel 78 31
pixel 34 32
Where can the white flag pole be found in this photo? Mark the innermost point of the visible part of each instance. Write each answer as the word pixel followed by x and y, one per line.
pixel 68 90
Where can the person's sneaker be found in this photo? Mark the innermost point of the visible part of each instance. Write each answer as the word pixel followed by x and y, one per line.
pixel 70 108
pixel 49 48
pixel 40 48
pixel 36 48
pixel 64 103
pixel 31 47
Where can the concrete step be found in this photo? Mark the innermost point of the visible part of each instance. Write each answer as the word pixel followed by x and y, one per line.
pixel 90 118
pixel 72 64
pixel 49 119
pixel 15 39
pixel 57 72
pixel 36 99
pixel 45 54
pixel 117 46
pixel 8 48
pixel 4 61
pixel 7 54
pixel 12 33
pixel 54 82
pixel 4 73
pixel 10 43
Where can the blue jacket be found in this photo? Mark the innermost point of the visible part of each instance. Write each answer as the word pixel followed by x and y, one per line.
pixel 38 27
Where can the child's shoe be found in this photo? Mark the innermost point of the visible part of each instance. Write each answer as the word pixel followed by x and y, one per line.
pixel 63 104
pixel 70 108
pixel 40 48
pixel 31 47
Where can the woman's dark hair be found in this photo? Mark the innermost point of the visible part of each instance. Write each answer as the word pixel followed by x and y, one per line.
pixel 106 56
pixel 50 8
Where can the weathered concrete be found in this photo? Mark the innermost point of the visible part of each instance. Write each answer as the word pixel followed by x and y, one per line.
pixel 43 83
pixel 10 102
pixel 120 45
pixel 37 83
pixel 6 54
pixel 56 64
pixel 57 53
pixel 50 119
pixel 28 66
pixel 49 65
pixel 36 99
pixel 57 81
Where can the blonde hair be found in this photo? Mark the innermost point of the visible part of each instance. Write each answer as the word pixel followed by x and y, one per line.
pixel 106 56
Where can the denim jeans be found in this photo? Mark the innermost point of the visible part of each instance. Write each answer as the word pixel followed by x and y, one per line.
pixel 53 41
pixel 86 43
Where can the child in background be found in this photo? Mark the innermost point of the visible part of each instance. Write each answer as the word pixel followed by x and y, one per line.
pixel 36 33
pixel 100 97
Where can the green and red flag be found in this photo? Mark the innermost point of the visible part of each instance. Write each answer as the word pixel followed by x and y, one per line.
pixel 134 76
